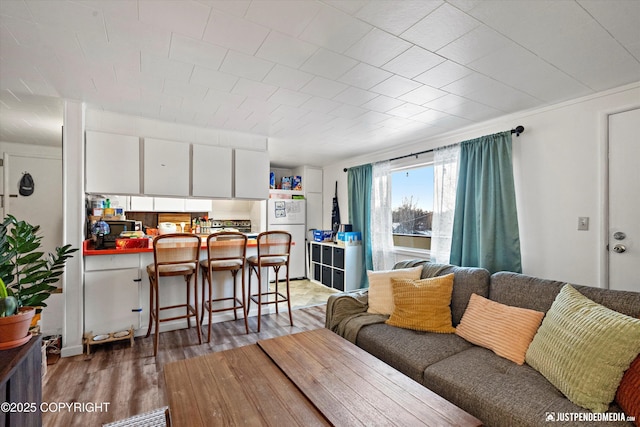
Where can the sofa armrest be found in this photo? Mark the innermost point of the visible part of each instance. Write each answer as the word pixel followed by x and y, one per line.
pixel 345 304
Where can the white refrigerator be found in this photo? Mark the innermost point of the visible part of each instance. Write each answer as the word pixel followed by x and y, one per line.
pixel 290 215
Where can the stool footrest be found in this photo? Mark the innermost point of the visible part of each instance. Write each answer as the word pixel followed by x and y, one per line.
pixel 237 304
pixel 279 298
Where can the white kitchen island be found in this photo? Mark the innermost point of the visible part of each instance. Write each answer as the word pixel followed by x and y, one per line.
pixel 116 291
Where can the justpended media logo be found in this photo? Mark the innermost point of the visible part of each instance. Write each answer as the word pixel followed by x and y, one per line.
pixel 587 416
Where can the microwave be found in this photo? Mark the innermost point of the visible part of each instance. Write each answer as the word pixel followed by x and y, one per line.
pixel 116 227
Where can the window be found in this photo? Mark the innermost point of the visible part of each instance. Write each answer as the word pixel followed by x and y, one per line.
pixel 412 206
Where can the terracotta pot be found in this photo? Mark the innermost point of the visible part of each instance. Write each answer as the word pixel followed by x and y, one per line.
pixel 14 330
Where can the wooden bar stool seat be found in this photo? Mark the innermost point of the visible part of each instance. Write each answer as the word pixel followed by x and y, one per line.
pixel 173 255
pixel 274 248
pixel 226 251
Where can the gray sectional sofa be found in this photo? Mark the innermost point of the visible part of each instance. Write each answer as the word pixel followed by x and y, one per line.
pixel 495 390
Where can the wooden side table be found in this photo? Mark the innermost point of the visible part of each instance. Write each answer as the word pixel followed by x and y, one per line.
pixel 21 383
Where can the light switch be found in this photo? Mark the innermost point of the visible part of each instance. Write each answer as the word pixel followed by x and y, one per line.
pixel 583 223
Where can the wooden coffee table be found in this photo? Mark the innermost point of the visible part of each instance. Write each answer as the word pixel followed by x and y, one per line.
pixel 310 378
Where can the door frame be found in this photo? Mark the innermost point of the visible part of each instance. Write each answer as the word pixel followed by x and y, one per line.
pixel 603 120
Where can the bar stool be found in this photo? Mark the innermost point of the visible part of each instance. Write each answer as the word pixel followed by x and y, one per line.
pixel 274 248
pixel 226 251
pixel 173 255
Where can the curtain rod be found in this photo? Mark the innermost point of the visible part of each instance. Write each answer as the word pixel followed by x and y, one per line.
pixel 517 130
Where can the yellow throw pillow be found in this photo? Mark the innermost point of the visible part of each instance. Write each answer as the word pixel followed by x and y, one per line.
pixel 423 305
pixel 380 293
pixel 504 329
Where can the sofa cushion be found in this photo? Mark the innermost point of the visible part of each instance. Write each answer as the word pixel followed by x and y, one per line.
pixel 499 392
pixel 506 330
pixel 408 351
pixel 583 348
pixel 423 305
pixel 466 281
pixel 538 294
pixel 628 393
pixel 380 290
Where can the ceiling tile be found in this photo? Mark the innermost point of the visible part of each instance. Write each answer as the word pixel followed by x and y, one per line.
pixel 377 48
pixel 289 17
pixel 422 95
pixel 213 79
pixel 355 96
pixel 16 9
pixel 382 104
pixel 234 33
pixel 246 66
pixel 286 50
pixel 215 99
pixel 334 30
pixel 348 111
pixel 412 62
pixel 395 86
pixel 288 112
pixel 287 78
pixel 351 6
pixel 69 15
pixel 184 89
pixel 253 89
pixel 396 16
pixel 138 35
pixel 374 117
pixel 258 106
pixel 407 110
pixel 618 17
pixel 236 7
pixel 440 28
pixel 396 122
pixel 320 105
pixel 364 76
pixel 319 86
pixel 328 64
pixel 164 67
pixel 474 45
pixel 192 51
pixel 187 18
pixel 443 74
pixel 289 97
pixel 522 69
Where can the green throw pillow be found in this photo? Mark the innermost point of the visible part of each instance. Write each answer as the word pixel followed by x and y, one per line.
pixel 583 348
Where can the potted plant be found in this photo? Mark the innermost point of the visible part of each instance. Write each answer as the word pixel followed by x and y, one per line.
pixel 27 274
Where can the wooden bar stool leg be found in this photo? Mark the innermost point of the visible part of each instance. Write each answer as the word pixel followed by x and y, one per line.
pixel 259 273
pixel 187 279
pixel 244 304
pixel 277 270
pixel 209 279
pixel 204 276
pixel 289 300
pixel 195 304
pixel 151 306
pixel 156 315
pixel 234 273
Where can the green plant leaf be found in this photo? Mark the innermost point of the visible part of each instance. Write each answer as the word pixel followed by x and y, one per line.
pixel 29 258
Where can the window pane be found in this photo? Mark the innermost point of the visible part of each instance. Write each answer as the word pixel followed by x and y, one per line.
pixel 412 206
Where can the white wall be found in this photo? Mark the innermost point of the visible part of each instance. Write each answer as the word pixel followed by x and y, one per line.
pixel 559 167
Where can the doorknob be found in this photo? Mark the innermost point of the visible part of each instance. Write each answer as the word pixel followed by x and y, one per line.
pixel 619 235
pixel 619 249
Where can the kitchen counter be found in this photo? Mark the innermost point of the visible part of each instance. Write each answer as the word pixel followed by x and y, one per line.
pixel 88 248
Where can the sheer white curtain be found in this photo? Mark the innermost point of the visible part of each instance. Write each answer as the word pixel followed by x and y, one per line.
pixel 445 177
pixel 381 226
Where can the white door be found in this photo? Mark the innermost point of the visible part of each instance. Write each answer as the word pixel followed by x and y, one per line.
pixel 44 206
pixel 624 200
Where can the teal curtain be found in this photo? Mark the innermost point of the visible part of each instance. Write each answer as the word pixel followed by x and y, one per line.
pixel 485 224
pixel 359 181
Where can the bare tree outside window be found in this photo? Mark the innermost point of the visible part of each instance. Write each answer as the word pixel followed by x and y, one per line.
pixel 412 207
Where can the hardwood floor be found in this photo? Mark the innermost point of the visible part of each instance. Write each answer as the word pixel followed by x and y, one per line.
pixel 131 379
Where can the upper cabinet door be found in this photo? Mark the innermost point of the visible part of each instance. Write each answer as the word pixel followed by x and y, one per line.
pixel 112 164
pixel 166 167
pixel 211 171
pixel 251 174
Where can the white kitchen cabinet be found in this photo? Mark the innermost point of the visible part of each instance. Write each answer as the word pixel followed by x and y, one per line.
pixel 211 171
pixel 338 267
pixel 112 163
pixel 166 168
pixel 314 211
pixel 111 293
pixel 251 174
